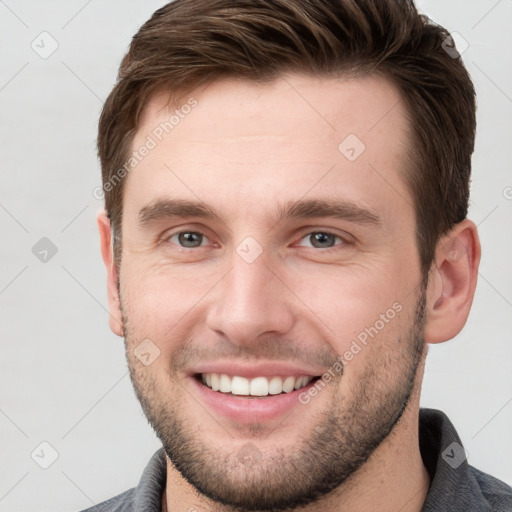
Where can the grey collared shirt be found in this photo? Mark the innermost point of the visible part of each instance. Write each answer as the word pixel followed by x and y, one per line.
pixel 455 486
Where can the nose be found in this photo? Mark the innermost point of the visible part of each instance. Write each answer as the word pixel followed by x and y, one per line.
pixel 252 300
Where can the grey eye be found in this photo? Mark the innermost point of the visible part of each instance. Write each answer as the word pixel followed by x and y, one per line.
pixel 189 239
pixel 321 240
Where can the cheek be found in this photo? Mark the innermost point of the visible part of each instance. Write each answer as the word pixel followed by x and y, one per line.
pixel 357 303
pixel 158 299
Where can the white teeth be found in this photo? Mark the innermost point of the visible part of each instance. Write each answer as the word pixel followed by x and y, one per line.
pixel 275 386
pixel 215 381
pixel 289 383
pixel 239 386
pixel 259 386
pixel 225 383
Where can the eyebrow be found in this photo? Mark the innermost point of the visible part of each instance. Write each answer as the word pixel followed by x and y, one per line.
pixel 167 208
pixel 340 209
pixel 311 208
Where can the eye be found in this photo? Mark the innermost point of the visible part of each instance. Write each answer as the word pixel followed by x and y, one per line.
pixel 187 239
pixel 321 240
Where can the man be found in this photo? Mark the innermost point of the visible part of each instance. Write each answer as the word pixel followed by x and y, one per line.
pixel 286 187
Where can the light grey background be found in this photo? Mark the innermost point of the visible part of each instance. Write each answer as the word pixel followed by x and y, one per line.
pixel 63 374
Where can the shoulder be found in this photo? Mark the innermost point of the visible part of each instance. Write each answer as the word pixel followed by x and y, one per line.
pixel 121 503
pixel 455 484
pixel 496 492
pixel 146 496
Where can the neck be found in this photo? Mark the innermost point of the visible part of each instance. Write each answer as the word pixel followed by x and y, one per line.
pixel 394 478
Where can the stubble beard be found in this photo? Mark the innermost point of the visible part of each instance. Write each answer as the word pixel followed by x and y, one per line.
pixel 340 441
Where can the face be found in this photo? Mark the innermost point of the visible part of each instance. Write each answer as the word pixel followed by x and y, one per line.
pixel 270 283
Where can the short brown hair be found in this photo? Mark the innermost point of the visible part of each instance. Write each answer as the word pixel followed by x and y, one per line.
pixel 191 42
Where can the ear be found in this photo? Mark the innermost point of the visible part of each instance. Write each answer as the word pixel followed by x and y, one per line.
pixel 107 251
pixel 452 282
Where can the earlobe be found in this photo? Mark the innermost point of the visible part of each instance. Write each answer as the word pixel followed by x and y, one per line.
pixel 452 282
pixel 107 252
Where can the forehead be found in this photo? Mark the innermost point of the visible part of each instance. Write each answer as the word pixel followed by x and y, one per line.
pixel 279 140
pixel 368 106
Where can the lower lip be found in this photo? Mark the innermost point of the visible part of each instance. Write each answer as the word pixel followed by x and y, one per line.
pixel 248 410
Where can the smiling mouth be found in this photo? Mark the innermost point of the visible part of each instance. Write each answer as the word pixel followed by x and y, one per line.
pixel 259 387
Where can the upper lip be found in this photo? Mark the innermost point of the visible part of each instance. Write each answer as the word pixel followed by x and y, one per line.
pixel 257 369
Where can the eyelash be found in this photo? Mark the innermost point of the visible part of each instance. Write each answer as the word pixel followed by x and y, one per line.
pixel 309 234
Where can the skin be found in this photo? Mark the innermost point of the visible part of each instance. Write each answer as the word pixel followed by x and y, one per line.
pixel 244 149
